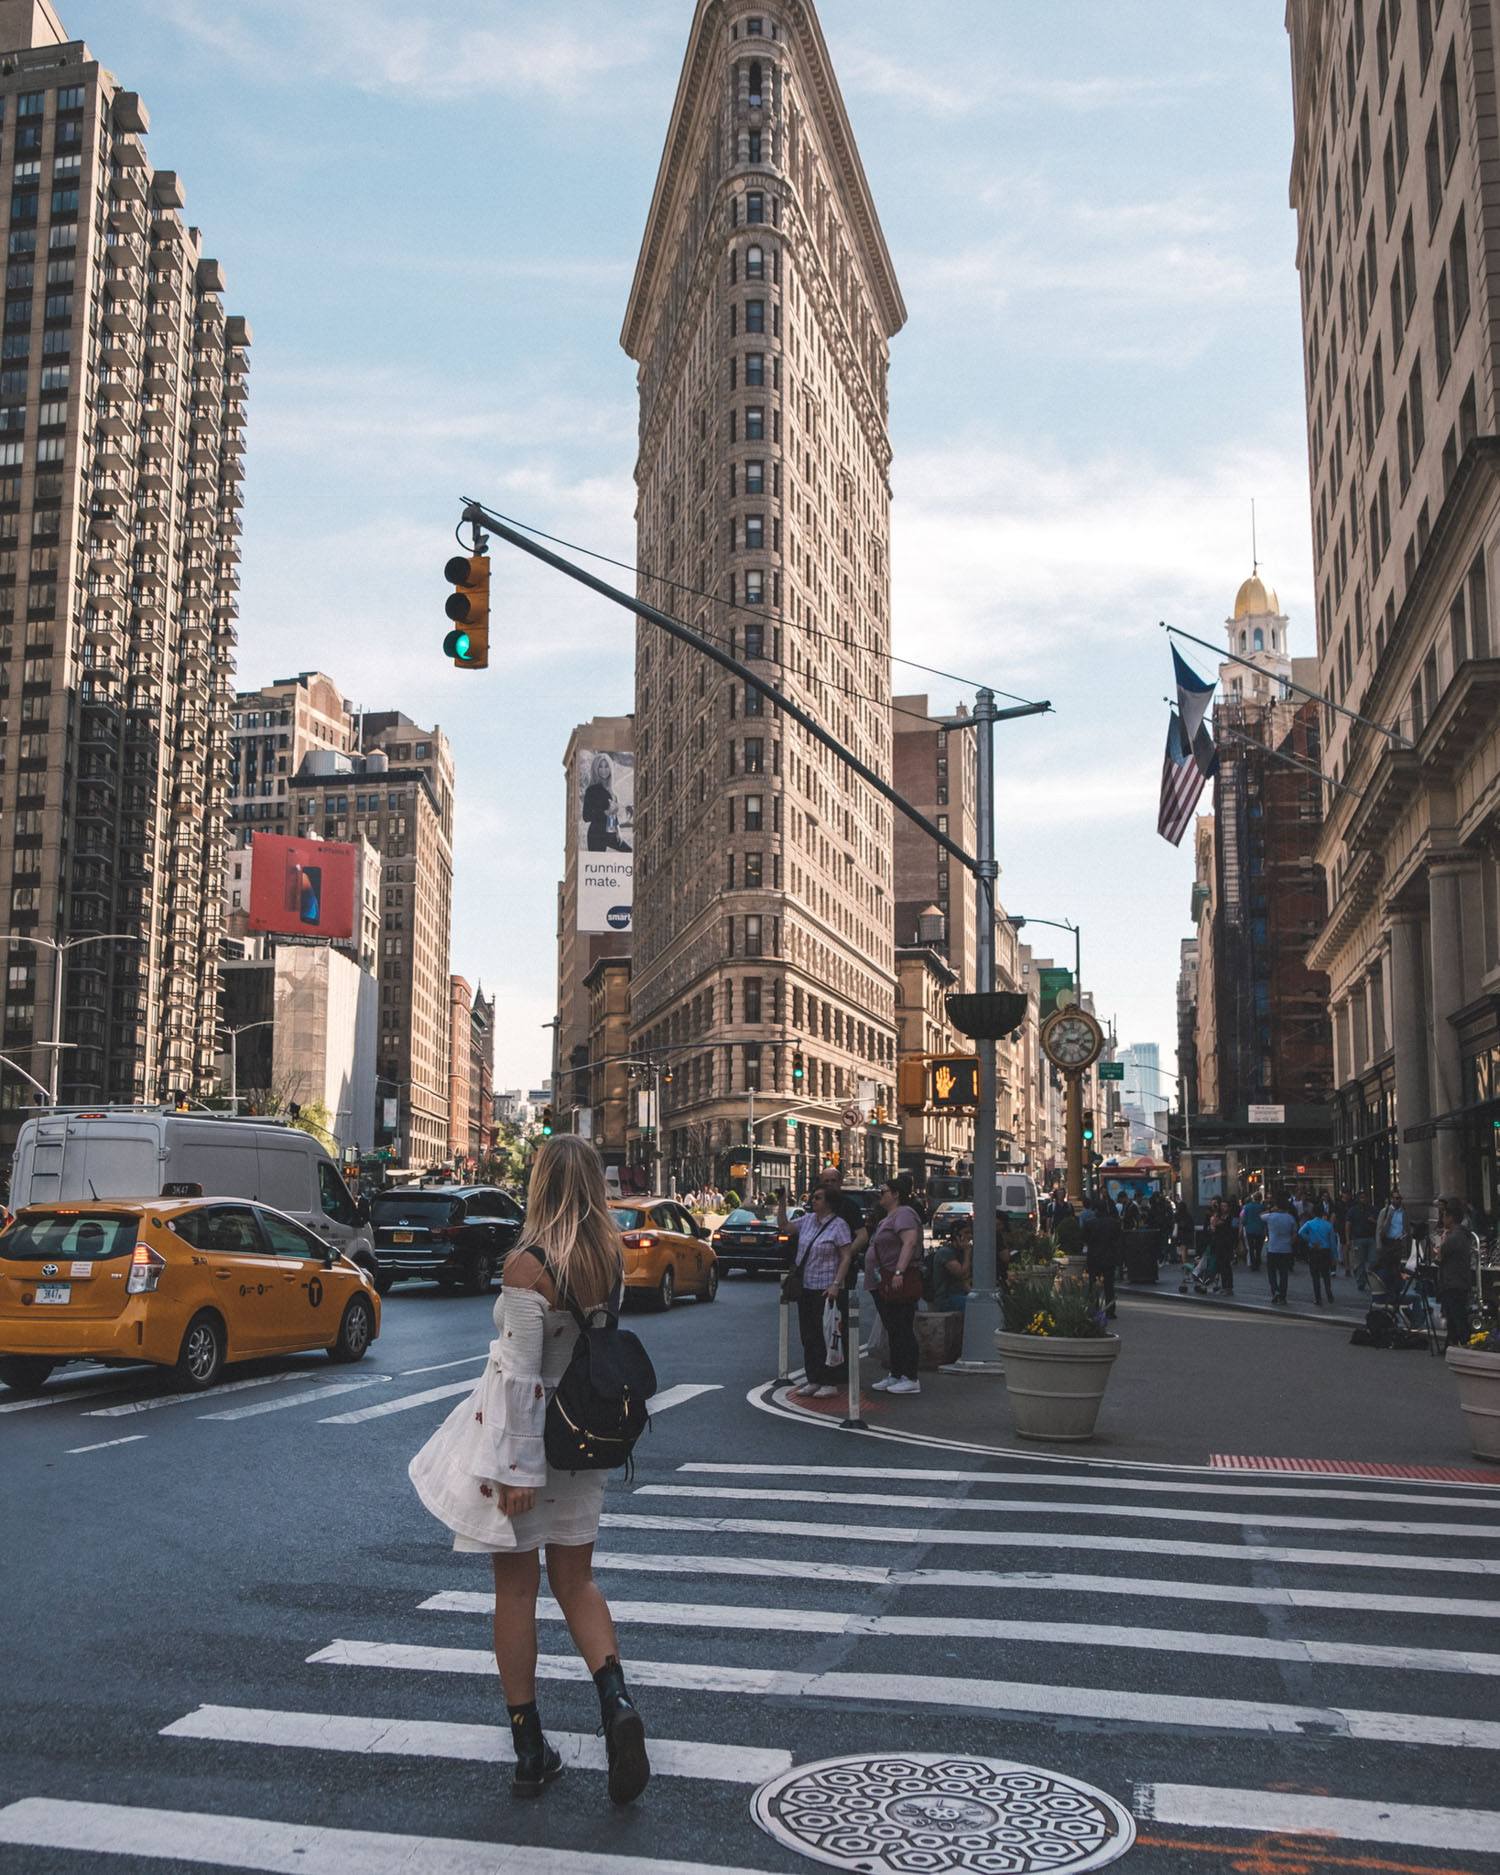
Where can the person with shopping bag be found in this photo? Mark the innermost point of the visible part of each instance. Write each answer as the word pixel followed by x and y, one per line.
pixel 486 1476
pixel 815 1283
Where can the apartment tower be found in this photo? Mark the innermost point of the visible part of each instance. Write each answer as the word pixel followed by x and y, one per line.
pixel 122 406
pixel 1397 198
pixel 763 302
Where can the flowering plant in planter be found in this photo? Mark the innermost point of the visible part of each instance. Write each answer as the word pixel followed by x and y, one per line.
pixel 1056 1308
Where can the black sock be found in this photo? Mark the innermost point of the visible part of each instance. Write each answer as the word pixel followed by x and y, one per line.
pixel 609 1680
pixel 521 1715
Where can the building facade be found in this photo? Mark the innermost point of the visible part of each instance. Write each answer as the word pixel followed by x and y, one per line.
pixel 122 409
pixel 763 302
pixel 460 1004
pixel 270 732
pixel 611 1090
pixel 481 1075
pixel 1398 238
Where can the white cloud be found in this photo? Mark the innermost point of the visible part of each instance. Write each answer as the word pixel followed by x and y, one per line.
pixel 954 94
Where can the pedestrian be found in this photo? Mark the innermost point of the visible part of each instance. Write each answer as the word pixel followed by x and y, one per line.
pixel 1186 1230
pixel 1390 1246
pixel 1253 1230
pixel 1103 1249
pixel 894 1249
pixel 485 1475
pixel 824 1250
pixel 1455 1260
pixel 1223 1236
pixel 953 1270
pixel 1281 1244
pixel 1359 1238
pixel 1321 1240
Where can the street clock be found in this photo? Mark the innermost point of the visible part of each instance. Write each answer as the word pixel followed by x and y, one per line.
pixel 1071 1039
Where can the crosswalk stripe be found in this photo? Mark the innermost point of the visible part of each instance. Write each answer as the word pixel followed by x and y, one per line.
pixel 1164 1487
pixel 250 1842
pixel 1283 1813
pixel 899 1689
pixel 280 1404
pixel 131 1438
pixel 1043 1539
pixel 154 1400
pixel 664 1401
pixel 759 1619
pixel 1138 1588
pixel 85 1384
pixel 487 1744
pixel 439 1367
pixel 1052 1507
pixel 402 1405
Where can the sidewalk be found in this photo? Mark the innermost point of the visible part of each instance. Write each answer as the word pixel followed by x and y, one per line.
pixel 1252 1293
pixel 1199 1380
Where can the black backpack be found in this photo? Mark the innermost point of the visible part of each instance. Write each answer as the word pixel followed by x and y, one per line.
pixel 599 1409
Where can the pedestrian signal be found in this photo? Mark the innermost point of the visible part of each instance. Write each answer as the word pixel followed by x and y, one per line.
pixel 955 1081
pixel 468 644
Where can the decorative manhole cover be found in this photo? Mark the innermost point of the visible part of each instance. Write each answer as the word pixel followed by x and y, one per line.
pixel 927 1813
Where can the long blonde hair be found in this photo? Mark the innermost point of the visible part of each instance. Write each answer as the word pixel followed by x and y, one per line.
pixel 568 1217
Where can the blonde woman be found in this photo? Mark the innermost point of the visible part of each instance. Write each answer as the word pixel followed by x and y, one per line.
pixel 484 1473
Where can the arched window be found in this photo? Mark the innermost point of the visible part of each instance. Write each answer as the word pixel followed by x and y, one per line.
pixel 755 83
pixel 755 263
pixel 1260 639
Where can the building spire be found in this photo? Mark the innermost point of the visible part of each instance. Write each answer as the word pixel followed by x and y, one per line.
pixel 1254 549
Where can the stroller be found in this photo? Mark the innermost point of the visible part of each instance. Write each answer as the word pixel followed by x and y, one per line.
pixel 1204 1274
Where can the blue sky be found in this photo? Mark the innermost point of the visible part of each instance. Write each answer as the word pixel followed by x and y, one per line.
pixel 432 227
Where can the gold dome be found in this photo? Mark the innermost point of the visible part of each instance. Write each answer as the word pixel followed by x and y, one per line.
pixel 1255 599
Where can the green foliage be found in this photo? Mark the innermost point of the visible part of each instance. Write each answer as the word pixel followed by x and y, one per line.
pixel 1029 1249
pixel 1055 1306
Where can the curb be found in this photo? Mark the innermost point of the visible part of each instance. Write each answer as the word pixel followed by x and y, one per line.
pixel 1327 1317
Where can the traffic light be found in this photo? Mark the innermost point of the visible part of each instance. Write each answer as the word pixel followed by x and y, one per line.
pixel 1088 1127
pixel 791 1125
pixel 799 1068
pixel 666 1077
pixel 547 1118
pixel 468 644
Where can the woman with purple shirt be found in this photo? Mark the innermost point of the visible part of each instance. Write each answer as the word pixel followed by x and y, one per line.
pixel 894 1249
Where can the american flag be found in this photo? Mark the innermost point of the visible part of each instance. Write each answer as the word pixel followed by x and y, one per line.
pixel 1181 783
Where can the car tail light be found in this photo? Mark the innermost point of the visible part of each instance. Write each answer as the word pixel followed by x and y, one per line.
pixel 636 1239
pixel 146 1267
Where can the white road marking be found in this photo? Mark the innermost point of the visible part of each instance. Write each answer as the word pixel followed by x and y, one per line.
pixel 154 1400
pixel 402 1405
pixel 249 1842
pixel 900 1689
pixel 440 1367
pixel 1282 1813
pixel 82 1385
pixel 728 1617
pixel 1165 1487
pixel 1044 1507
pixel 972 1581
pixel 103 1445
pixel 487 1744
pixel 679 1396
pixel 897 1534
pixel 280 1404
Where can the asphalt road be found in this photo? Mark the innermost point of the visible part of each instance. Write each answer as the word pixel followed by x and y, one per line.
pixel 233 1638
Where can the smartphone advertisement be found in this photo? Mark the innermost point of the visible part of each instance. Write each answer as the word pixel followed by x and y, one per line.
pixel 302 888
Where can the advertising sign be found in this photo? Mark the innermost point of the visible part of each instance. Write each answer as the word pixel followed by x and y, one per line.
pixel 302 888
pixel 1267 1116
pixel 604 803
pixel 1054 982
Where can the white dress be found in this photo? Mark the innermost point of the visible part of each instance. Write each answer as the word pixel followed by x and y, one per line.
pixel 494 1437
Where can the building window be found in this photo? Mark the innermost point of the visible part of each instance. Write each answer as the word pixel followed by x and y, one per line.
pixel 70 98
pixel 755 424
pixel 753 870
pixel 755 703
pixel 755 207
pixel 755 532
pixel 1414 400
pixel 755 371
pixel 755 27
pixel 755 478
pixel 1479 610
pixel 756 93
pixel 753 939
pixel 1448 104
pixel 754 813
pixel 755 587
pixel 755 263
pixel 1442 332
pixel 755 755
pixel 1433 163
pixel 755 315
pixel 1458 274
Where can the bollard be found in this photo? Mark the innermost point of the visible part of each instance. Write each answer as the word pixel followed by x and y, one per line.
pixel 851 1346
pixel 783 1340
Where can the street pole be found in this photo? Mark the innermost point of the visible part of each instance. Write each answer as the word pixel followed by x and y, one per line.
pixel 656 1127
pixel 982 1318
pixel 749 1193
pixel 56 1062
pixel 1074 1129
pixel 234 1071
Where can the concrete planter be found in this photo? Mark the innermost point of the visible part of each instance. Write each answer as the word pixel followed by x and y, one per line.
pixel 1478 1375
pixel 940 1336
pixel 1055 1385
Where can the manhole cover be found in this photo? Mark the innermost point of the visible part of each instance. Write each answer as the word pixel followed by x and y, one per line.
pixel 928 1813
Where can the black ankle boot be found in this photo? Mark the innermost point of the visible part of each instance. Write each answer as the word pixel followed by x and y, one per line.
pixel 536 1761
pixel 624 1735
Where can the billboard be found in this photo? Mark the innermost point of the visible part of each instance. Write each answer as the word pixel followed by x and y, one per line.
pixel 302 888
pixel 604 804
pixel 1055 987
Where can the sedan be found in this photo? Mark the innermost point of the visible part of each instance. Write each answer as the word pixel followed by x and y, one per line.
pixel 185 1284
pixel 667 1252
pixel 746 1240
pixel 459 1234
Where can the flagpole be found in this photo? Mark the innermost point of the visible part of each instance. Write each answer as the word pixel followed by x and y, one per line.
pixel 1307 768
pixel 1287 683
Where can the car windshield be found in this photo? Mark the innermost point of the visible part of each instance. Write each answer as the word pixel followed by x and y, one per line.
pixel 627 1220
pixel 742 1216
pixel 49 1236
pixel 957 1207
pixel 423 1207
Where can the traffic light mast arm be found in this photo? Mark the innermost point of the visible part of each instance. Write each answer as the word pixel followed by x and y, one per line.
pixel 478 517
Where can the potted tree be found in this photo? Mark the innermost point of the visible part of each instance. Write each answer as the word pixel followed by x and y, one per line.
pixel 1058 1352
pixel 1476 1368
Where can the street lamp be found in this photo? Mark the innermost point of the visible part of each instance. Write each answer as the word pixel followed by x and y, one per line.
pixel 1166 1074
pixel 234 1035
pixel 16 1068
pixel 1018 923
pixel 58 947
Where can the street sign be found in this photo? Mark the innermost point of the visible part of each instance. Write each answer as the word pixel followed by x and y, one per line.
pixel 1111 1070
pixel 955 1081
pixel 1054 983
pixel 851 1115
pixel 1266 1116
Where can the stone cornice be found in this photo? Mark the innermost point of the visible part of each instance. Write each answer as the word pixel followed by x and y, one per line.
pixel 673 177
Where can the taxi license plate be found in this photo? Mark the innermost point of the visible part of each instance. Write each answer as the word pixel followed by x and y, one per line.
pixel 54 1292
pixel 402 1236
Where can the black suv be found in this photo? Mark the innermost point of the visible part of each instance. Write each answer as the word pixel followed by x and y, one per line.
pixel 459 1234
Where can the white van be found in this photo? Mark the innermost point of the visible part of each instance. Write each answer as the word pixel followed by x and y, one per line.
pixel 1015 1197
pixel 138 1152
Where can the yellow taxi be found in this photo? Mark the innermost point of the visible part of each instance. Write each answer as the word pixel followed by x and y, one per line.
pixel 667 1252
pixel 189 1284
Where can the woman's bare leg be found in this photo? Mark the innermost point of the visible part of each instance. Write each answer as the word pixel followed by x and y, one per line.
pixel 516 1579
pixel 570 1572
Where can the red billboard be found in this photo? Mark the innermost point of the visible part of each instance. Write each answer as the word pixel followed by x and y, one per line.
pixel 302 888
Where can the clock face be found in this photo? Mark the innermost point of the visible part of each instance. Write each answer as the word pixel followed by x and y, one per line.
pixel 1072 1041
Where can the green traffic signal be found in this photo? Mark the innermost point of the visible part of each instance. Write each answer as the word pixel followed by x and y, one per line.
pixel 456 645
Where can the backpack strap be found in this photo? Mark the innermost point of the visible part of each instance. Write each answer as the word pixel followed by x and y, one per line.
pixel 563 1298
